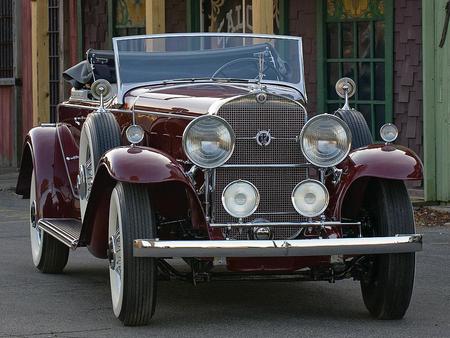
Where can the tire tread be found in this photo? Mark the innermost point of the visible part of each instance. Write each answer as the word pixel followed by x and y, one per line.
pixel 361 135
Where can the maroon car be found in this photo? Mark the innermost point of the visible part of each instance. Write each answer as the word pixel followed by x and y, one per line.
pixel 192 157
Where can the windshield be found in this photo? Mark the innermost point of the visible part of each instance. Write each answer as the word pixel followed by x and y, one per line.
pixel 251 58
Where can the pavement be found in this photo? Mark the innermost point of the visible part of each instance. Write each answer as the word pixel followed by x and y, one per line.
pixel 77 303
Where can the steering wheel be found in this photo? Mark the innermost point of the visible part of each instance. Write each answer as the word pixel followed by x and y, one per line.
pixel 253 63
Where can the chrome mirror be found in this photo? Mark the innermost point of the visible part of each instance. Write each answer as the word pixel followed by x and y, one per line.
pixel 345 88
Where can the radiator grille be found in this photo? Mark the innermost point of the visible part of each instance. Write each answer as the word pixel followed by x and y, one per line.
pixel 284 119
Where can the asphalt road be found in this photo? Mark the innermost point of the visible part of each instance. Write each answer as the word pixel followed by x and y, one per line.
pixel 77 303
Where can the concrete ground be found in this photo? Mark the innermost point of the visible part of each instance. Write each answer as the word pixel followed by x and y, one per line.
pixel 77 303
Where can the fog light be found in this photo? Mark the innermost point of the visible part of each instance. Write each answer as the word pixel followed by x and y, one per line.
pixel 388 132
pixel 135 134
pixel 310 198
pixel 240 198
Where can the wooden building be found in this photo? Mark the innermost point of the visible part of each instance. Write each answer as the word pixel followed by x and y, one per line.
pixel 376 42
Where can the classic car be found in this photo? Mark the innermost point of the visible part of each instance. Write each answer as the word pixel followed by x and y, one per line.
pixel 192 157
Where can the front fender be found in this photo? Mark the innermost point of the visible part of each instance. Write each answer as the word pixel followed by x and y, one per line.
pixel 374 161
pixel 42 151
pixel 137 165
pixel 142 165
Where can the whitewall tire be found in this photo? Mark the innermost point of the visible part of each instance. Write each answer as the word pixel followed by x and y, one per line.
pixel 49 255
pixel 132 279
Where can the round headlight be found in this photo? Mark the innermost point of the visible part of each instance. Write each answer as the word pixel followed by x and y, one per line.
pixel 310 198
pixel 135 134
pixel 388 132
pixel 240 198
pixel 325 140
pixel 208 141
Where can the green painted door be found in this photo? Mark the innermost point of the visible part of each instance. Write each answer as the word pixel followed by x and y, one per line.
pixel 357 43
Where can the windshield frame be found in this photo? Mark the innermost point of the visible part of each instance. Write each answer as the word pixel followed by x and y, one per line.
pixel 122 89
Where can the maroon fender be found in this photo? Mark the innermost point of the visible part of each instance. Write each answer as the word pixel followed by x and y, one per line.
pixel 378 161
pixel 140 165
pixel 42 151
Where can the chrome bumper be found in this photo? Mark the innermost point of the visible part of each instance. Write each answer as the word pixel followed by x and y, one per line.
pixel 277 248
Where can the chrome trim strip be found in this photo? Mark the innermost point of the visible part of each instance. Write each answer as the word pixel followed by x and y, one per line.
pixel 280 224
pixel 115 110
pixel 60 235
pixel 262 166
pixel 74 193
pixel 278 248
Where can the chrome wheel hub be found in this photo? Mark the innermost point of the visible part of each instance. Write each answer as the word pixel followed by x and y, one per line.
pixel 84 179
pixel 115 254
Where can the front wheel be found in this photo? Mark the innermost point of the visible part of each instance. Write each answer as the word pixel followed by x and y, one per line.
pixel 387 288
pixel 132 279
pixel 49 255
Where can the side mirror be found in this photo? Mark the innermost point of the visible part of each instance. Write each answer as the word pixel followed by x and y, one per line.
pixel 345 88
pixel 101 90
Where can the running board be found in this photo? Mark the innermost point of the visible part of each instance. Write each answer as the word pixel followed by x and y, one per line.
pixel 65 230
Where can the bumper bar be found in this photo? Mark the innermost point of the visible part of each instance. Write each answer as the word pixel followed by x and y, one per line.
pixel 277 248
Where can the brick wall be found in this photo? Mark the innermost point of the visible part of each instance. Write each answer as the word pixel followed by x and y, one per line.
pixel 175 16
pixel 302 22
pixel 408 114
pixel 95 24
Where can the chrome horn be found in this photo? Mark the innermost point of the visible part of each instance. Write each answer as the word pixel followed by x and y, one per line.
pixel 345 88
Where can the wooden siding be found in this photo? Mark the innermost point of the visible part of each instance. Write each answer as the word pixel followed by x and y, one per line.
pixel 95 25
pixel 176 16
pixel 302 22
pixel 408 112
pixel 7 129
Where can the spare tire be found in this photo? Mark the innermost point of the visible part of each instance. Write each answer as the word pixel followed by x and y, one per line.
pixel 100 133
pixel 361 135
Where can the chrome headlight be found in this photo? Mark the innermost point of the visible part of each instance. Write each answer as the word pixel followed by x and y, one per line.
pixel 240 198
pixel 325 140
pixel 310 198
pixel 208 141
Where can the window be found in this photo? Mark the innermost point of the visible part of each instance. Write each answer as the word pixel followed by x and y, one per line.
pixel 6 40
pixel 357 37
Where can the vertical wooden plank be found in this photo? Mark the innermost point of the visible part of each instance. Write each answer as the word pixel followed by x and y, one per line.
pixel 7 134
pixel 40 61
pixel 388 59
pixel 262 16
pixel 16 98
pixel 321 69
pixel 284 17
pixel 442 105
pixel 80 30
pixel 155 16
pixel 111 23
pixel 26 54
pixel 193 15
pixel 429 116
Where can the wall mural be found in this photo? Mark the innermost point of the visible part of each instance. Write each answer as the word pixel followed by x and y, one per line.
pixel 233 16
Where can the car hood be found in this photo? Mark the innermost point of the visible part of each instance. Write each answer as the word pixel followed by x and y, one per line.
pixel 189 98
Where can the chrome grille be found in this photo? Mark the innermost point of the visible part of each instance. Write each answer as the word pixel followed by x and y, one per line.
pixel 285 119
